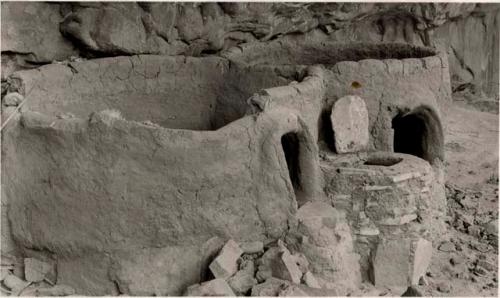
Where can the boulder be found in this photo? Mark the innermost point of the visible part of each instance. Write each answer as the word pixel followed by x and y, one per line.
pixel 350 124
pixel 33 29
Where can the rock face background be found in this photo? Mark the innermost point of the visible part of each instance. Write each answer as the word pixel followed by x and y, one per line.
pixel 39 33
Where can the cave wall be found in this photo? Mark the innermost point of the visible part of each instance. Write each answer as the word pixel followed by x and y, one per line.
pixel 38 33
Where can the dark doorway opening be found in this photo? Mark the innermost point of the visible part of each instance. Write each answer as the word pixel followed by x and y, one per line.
pixel 290 144
pixel 419 133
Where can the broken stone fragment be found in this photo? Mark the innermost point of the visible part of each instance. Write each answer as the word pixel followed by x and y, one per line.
pixel 12 99
pixel 35 270
pixel 271 287
pixel 57 290
pixel 350 124
pixel 421 259
pixel 252 247
pixel 243 280
pixel 286 268
pixel 310 280
pixel 215 287
pixel 3 273
pixel 226 263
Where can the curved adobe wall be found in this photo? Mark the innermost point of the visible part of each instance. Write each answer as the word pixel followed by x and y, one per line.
pixel 174 92
pixel 99 185
pixel 393 79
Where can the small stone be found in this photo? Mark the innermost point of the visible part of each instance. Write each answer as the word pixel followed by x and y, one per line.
pixel 214 287
pixel 444 287
pixel 252 247
pixel 486 265
pixel 226 263
pixel 447 246
pixel 491 228
pixel 349 119
pixel 35 270
pixel 15 283
pixel 57 290
pixel 12 99
pixel 310 280
pixel 474 230
pixel 244 279
pixel 457 260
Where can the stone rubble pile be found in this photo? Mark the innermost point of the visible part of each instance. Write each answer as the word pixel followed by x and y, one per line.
pixel 315 258
pixel 30 277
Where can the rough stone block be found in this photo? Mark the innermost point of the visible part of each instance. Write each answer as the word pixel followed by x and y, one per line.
pixel 35 270
pixel 287 268
pixel 391 264
pixel 215 287
pixel 252 247
pixel 226 263
pixel 350 124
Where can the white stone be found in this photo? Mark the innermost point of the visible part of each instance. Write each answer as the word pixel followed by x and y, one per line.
pixel 226 263
pixel 350 124
pixel 310 280
pixel 421 259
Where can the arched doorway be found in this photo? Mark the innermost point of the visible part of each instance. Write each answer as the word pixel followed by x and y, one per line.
pixel 419 133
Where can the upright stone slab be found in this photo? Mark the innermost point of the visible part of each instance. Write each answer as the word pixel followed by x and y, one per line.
pixel 422 256
pixel 350 124
pixel 391 265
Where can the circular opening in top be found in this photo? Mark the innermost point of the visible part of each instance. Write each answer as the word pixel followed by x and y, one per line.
pixel 385 161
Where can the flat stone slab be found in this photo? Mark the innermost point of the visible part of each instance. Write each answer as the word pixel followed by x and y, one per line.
pixel 350 124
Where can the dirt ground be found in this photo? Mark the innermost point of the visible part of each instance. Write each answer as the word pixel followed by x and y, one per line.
pixel 466 261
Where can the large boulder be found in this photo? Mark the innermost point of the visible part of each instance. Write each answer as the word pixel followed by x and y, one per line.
pixel 31 36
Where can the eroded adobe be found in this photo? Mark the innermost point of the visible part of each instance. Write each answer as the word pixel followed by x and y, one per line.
pixel 143 161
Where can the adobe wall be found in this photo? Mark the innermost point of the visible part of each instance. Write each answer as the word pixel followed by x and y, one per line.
pixel 175 92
